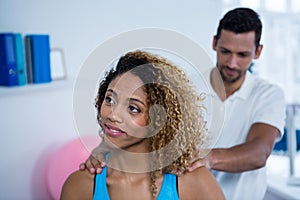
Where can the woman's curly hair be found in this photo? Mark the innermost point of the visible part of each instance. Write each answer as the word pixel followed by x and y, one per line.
pixel 176 122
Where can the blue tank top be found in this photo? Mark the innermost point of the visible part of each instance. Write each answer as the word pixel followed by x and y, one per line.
pixel 168 189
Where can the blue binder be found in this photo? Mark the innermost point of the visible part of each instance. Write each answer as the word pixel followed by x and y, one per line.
pixel 8 65
pixel 19 52
pixel 40 58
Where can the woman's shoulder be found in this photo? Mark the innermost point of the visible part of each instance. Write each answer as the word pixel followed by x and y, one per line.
pixel 199 184
pixel 79 185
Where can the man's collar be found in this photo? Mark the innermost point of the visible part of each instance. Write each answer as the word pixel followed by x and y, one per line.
pixel 244 90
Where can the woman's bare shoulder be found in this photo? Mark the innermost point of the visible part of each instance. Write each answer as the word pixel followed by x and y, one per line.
pixel 79 185
pixel 199 184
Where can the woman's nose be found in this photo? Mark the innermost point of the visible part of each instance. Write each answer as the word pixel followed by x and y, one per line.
pixel 116 114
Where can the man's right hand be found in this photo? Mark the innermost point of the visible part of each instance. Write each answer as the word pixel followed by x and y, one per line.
pixel 96 161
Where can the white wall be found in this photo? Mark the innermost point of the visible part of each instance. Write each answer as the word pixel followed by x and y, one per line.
pixel 35 120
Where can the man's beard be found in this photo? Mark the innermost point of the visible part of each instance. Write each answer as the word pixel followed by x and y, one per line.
pixel 228 79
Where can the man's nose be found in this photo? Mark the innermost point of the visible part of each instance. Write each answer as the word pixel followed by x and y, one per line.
pixel 233 61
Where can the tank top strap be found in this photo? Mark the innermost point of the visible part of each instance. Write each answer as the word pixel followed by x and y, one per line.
pixel 101 191
pixel 169 188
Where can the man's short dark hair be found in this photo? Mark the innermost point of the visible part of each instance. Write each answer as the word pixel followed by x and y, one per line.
pixel 241 20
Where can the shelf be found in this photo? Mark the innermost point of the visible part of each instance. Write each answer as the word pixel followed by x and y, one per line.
pixel 36 88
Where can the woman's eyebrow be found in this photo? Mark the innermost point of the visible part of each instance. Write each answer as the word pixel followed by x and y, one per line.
pixel 112 91
pixel 130 99
pixel 135 99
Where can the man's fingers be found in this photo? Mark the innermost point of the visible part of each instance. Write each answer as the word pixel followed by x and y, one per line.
pixel 95 164
pixel 99 159
pixel 82 166
pixel 96 161
pixel 199 159
pixel 197 164
pixel 90 166
pixel 195 156
pixel 98 170
pixel 99 165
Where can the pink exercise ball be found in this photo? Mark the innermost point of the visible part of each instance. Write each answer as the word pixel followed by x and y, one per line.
pixel 66 160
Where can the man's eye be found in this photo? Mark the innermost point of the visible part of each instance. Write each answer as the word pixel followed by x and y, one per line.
pixel 224 51
pixel 243 55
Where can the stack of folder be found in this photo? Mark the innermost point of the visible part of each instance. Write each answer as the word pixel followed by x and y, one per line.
pixel 21 66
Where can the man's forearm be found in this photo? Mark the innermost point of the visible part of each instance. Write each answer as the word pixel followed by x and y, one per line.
pixel 237 159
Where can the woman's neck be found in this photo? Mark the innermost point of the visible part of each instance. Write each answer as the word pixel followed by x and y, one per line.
pixel 130 162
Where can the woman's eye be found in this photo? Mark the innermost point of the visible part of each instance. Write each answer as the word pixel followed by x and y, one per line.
pixel 134 109
pixel 109 100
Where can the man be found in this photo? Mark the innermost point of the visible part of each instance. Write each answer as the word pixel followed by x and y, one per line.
pixel 255 110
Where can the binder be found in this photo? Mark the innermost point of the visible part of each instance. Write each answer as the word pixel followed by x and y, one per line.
pixel 19 53
pixel 39 55
pixel 28 59
pixel 8 65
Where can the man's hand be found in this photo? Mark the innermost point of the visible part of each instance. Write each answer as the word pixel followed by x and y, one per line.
pixel 198 160
pixel 96 161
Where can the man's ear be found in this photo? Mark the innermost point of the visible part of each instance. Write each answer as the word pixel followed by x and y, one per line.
pixel 214 43
pixel 258 51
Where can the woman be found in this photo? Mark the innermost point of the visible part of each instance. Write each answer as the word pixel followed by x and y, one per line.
pixel 152 122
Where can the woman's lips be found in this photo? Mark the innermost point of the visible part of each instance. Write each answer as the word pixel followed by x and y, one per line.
pixel 113 131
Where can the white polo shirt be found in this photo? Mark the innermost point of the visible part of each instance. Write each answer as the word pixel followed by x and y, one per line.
pixel 256 101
